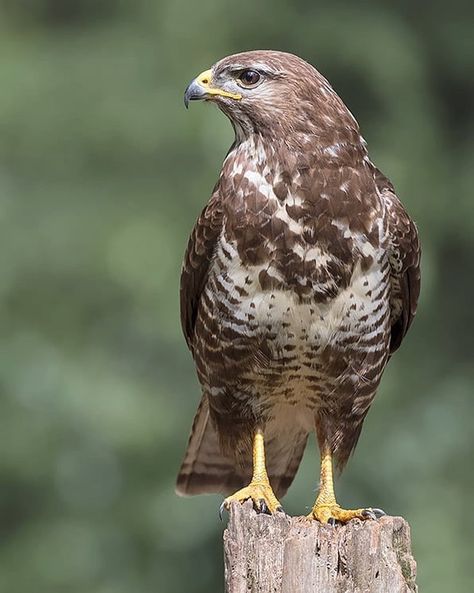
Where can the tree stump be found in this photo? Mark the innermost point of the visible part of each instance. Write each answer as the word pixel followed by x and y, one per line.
pixel 280 554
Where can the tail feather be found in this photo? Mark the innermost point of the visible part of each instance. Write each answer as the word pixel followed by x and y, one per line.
pixel 206 469
pixel 283 475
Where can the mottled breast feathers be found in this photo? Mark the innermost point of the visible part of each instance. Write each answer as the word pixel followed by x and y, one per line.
pixel 315 212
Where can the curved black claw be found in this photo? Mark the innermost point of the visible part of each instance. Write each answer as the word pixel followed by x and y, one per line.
pixel 261 507
pixel 373 514
pixel 369 514
pixel 332 521
pixel 222 508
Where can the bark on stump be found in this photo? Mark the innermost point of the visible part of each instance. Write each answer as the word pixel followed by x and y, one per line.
pixel 280 554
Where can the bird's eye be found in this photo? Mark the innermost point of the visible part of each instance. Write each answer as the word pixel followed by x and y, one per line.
pixel 249 78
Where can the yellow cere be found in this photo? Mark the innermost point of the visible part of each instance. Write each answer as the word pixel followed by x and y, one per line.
pixel 205 78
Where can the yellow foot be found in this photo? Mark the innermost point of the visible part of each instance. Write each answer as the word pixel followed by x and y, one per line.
pixel 330 513
pixel 264 500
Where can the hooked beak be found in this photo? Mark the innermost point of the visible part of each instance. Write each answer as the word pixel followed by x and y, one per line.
pixel 201 88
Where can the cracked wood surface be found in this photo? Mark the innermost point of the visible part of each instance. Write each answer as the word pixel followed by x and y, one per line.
pixel 280 554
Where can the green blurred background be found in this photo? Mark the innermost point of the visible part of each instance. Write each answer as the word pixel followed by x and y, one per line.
pixel 102 174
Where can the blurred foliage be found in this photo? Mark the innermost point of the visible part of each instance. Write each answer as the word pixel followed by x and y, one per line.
pixel 102 174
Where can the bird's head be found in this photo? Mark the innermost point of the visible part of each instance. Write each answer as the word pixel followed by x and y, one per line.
pixel 271 93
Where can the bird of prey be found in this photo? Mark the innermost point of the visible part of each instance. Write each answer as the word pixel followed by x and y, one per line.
pixel 300 280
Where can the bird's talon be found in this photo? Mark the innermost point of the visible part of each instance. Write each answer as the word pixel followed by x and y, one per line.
pixel 333 514
pixel 222 508
pixel 373 514
pixel 261 493
pixel 369 514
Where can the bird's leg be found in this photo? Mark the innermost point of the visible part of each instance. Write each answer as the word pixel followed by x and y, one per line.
pixel 259 489
pixel 326 509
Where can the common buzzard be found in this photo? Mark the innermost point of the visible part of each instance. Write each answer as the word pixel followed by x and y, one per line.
pixel 300 280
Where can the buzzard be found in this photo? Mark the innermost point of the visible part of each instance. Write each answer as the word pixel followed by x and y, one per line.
pixel 300 280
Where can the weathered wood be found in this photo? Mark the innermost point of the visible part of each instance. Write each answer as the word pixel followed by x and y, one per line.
pixel 280 554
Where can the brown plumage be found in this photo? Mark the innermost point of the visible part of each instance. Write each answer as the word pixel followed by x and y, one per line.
pixel 300 279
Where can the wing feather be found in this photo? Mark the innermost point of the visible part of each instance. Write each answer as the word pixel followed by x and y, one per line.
pixel 197 260
pixel 404 253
